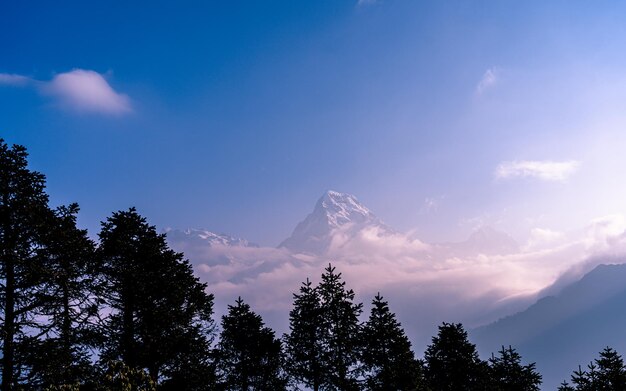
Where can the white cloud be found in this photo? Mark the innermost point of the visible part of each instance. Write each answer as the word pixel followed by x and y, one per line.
pixel 13 80
pixel 78 90
pixel 366 2
pixel 490 78
pixel 87 91
pixel 425 283
pixel 542 238
pixel 546 170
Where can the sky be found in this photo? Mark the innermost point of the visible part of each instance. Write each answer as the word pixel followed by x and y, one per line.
pixel 237 116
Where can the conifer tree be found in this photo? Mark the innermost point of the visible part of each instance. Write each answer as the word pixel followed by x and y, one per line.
pixel 303 345
pixel 388 362
pixel 604 373
pixel 24 213
pixel 69 304
pixel 564 386
pixel 340 332
pixel 323 346
pixel 452 363
pixel 161 315
pixel 611 371
pixel 508 374
pixel 248 356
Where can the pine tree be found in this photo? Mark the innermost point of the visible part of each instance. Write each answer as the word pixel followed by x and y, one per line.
pixel 70 304
pixel 160 314
pixel 340 332
pixel 604 373
pixel 564 386
pixel 303 345
pixel 24 213
pixel 323 346
pixel 388 362
pixel 611 371
pixel 452 363
pixel 584 380
pixel 508 374
pixel 248 356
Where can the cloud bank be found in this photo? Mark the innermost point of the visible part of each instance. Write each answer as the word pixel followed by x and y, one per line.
pixel 546 170
pixel 79 90
pixel 426 284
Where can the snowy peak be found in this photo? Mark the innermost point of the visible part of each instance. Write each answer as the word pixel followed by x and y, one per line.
pixel 203 236
pixel 341 208
pixel 332 211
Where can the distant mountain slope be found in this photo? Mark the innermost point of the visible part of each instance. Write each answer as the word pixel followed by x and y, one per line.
pixel 333 211
pixel 560 332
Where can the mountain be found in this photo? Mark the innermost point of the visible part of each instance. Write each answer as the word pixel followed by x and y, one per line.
pixel 563 331
pixel 333 212
pixel 207 238
pixel 205 247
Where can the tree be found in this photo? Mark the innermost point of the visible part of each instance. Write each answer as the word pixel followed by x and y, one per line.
pixel 120 377
pixel 248 356
pixel 303 345
pixel 387 359
pixel 508 374
pixel 323 346
pixel 340 332
pixel 604 373
pixel 611 371
pixel 23 215
pixel 160 313
pixel 452 363
pixel 564 386
pixel 70 304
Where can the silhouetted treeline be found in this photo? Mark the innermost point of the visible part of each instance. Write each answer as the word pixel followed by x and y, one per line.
pixel 127 313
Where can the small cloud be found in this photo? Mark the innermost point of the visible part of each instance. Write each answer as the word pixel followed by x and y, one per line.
pixel 542 237
pixel 546 170
pixel 490 78
pixel 361 3
pixel 77 90
pixel 13 80
pixel 431 204
pixel 87 91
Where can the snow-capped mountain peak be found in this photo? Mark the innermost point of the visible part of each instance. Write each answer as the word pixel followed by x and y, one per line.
pixel 206 237
pixel 341 208
pixel 334 210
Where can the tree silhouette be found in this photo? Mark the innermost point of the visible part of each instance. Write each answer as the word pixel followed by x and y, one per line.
pixel 303 345
pixel 70 304
pixel 388 362
pixel 323 346
pixel 564 386
pixel 160 314
pixel 508 374
pixel 248 356
pixel 604 373
pixel 452 363
pixel 340 332
pixel 24 214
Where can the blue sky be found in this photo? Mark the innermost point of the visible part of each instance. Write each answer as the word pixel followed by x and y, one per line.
pixel 237 116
